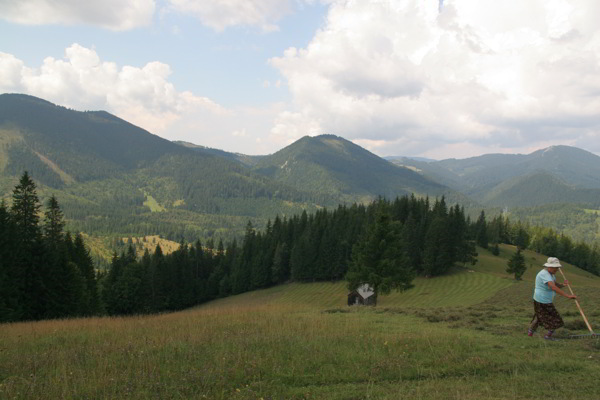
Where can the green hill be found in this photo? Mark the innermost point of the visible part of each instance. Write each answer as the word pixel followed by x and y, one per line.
pixel 558 187
pixel 465 287
pixel 301 341
pixel 477 176
pixel 85 145
pixel 330 164
pixel 113 178
pixel 525 191
pixel 242 158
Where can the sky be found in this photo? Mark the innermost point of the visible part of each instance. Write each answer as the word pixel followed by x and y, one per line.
pixel 431 78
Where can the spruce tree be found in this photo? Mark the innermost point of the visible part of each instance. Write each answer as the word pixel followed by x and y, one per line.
pixel 81 257
pixel 25 209
pixel 53 222
pixel 159 275
pixel 281 264
pixel 58 275
pixel 10 295
pixel 379 259
pixel 30 261
pixel 516 265
pixel 481 236
pixel 437 254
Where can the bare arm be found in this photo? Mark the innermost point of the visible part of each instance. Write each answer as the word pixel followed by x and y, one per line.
pixel 555 287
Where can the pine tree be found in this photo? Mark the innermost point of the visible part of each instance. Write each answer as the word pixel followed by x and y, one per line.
pixel 25 210
pixel 437 254
pixel 53 222
pixel 516 265
pixel 495 249
pixel 81 257
pixel 302 257
pixel 10 295
pixel 281 264
pixel 57 273
pixel 30 261
pixel 159 275
pixel 109 284
pixel 379 259
pixel 241 273
pixel 481 236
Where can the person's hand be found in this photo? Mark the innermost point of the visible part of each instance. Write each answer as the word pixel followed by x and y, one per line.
pixel 572 297
pixel 566 282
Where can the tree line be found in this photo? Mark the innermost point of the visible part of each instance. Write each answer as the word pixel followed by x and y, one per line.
pixel 44 272
pixel 47 273
pixel 386 244
pixel 539 239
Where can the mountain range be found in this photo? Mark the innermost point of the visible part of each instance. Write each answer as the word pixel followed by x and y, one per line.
pixel 114 178
pixel 557 174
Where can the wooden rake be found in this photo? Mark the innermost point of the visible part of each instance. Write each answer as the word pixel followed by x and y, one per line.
pixel 592 334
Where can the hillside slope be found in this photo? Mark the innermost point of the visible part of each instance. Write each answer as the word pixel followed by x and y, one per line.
pixel 85 145
pixel 478 176
pixel 535 188
pixel 465 287
pixel 302 341
pixel 333 165
pixel 111 177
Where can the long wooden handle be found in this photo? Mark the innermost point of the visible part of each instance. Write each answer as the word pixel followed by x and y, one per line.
pixel 576 302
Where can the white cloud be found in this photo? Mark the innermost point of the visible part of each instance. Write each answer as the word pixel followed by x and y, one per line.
pixel 289 126
pixel 484 73
pixel 220 15
pixel 11 70
pixel 111 14
pixel 143 96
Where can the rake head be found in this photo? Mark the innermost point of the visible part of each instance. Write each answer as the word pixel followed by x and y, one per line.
pixel 586 336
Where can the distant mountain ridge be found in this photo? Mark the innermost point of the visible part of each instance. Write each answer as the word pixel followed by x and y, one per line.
pixel 80 142
pixel 331 164
pixel 113 177
pixel 569 174
pixel 242 158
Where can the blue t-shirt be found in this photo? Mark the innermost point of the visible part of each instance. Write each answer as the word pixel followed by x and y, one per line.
pixel 542 292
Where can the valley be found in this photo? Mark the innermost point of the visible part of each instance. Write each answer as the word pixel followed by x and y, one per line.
pixel 114 179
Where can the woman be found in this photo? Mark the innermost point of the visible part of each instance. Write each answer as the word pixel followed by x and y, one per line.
pixel 545 289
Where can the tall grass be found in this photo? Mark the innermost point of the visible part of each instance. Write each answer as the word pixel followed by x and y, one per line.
pixel 302 342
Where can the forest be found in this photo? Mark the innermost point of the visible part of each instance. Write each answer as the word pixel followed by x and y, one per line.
pixel 47 273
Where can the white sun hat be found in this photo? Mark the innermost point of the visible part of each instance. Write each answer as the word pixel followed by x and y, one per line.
pixel 553 263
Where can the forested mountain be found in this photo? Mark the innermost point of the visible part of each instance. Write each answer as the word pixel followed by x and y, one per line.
pixel 537 188
pixel 562 169
pixel 242 158
pixel 67 146
pixel 330 164
pixel 115 178
pixel 558 187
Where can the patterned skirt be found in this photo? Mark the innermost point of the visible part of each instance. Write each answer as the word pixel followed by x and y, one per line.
pixel 547 315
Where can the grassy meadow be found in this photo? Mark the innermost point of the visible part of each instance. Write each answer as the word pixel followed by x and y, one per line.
pixel 461 336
